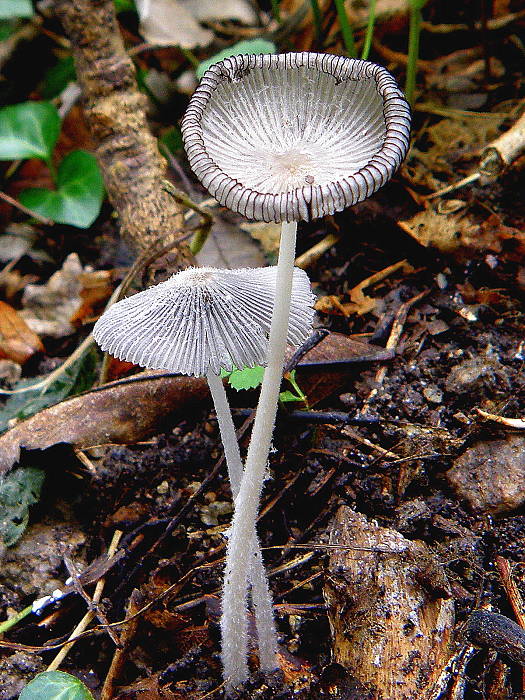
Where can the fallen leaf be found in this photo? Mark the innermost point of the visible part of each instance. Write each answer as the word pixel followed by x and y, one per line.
pixel 205 10
pixel 97 287
pixel 229 247
pixel 48 308
pixel 121 412
pixel 267 233
pixel 460 234
pixel 17 341
pixel 170 23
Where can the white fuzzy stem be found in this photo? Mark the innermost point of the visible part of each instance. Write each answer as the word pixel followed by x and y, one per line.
pixel 247 502
pixel 261 595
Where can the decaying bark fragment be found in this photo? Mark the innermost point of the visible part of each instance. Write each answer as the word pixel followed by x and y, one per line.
pixel 132 167
pixel 389 609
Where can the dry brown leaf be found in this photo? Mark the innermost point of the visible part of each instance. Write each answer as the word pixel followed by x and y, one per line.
pixel 121 412
pixel 17 341
pixel 48 308
pixel 96 289
pixel 459 233
pixel 170 23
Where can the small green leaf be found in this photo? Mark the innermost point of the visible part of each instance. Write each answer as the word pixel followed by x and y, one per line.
pixel 55 685
pixel 249 46
pixel 79 194
pixel 172 139
pixel 18 490
pixel 58 77
pixel 16 8
pixel 247 378
pixel 289 396
pixel 77 378
pixel 124 6
pixel 28 130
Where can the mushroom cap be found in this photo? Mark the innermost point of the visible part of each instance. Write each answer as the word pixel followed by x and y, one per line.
pixel 295 136
pixel 203 319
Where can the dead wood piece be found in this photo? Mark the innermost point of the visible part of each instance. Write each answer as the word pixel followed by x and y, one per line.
pixel 494 631
pixel 131 164
pixel 390 612
pixel 490 475
pixel 121 412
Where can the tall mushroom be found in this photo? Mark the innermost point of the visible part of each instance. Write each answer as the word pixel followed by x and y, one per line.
pixel 286 138
pixel 198 322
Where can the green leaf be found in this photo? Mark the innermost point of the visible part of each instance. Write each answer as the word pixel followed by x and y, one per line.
pixel 247 378
pixel 249 46
pixel 172 139
pixel 55 685
pixel 18 490
pixel 125 6
pixel 289 396
pixel 77 378
pixel 16 8
pixel 58 77
pixel 79 194
pixel 7 27
pixel 28 130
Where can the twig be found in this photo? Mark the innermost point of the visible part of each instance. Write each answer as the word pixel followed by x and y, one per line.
pixel 88 617
pixel 514 597
pixel 26 210
pixel 495 158
pixel 518 423
pixel 391 344
pixel 313 254
pixel 120 654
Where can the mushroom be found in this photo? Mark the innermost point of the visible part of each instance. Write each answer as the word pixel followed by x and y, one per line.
pixel 199 322
pixel 286 138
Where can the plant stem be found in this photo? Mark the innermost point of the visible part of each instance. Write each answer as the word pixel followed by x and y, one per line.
pixel 413 51
pixel 369 30
pixel 346 29
pixel 261 595
pixel 276 10
pixel 316 12
pixel 247 502
pixel 15 619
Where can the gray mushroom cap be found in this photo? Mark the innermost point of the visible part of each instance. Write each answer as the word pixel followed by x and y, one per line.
pixel 295 136
pixel 203 319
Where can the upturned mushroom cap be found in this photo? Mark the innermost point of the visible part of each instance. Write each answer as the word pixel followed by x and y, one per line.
pixel 203 319
pixel 295 136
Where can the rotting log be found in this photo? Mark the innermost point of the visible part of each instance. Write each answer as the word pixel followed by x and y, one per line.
pixel 115 110
pixel 389 608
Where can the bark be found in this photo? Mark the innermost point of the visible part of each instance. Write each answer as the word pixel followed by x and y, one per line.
pixel 115 110
pixel 389 609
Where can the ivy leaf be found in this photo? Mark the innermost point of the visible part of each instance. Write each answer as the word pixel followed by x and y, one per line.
pixel 55 685
pixel 28 130
pixel 15 8
pixel 18 490
pixel 58 77
pixel 79 194
pixel 247 378
pixel 249 46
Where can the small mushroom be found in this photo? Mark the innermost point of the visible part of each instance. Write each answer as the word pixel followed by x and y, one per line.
pixel 199 322
pixel 286 138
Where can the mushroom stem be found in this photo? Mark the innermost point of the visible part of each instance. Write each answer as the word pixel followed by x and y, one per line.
pixel 261 595
pixel 247 502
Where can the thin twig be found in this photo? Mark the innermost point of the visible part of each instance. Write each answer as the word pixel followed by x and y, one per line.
pixel 120 654
pixel 26 210
pixel 88 617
